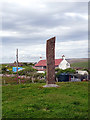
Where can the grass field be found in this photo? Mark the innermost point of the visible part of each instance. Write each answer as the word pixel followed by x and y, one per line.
pixel 70 100
pixel 80 64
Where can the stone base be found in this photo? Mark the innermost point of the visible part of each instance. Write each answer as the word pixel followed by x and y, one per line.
pixel 50 85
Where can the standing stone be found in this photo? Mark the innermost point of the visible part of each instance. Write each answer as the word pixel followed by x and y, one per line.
pixel 50 58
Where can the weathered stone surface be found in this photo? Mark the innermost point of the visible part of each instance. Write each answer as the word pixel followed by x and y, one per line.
pixel 50 58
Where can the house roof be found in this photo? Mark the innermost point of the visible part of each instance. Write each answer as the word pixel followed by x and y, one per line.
pixel 43 62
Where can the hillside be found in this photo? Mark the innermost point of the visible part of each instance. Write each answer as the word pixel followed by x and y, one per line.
pixel 76 60
pixel 79 63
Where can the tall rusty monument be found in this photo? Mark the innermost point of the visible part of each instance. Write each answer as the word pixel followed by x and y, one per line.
pixel 50 59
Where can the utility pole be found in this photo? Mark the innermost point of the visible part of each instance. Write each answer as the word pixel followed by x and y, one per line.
pixel 17 63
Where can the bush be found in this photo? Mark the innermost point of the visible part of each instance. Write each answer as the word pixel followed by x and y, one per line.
pixel 41 75
pixel 57 69
pixel 10 72
pixel 26 71
pixel 36 80
pixel 68 70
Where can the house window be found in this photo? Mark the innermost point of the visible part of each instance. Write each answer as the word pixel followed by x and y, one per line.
pixel 67 64
pixel 44 67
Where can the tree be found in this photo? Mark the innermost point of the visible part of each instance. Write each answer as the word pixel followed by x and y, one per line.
pixel 4 69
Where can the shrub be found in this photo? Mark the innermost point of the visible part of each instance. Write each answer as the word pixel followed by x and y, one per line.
pixel 68 70
pixel 26 71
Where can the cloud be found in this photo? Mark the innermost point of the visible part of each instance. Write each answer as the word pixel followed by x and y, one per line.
pixel 30 23
pixel 72 49
pixel 75 15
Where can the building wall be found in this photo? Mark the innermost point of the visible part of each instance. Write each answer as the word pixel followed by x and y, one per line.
pixel 39 67
pixel 40 71
pixel 64 65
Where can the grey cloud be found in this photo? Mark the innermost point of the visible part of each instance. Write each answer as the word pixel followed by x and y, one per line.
pixel 75 35
pixel 19 17
pixel 33 24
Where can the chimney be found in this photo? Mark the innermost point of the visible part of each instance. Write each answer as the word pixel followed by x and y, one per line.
pixel 40 58
pixel 63 57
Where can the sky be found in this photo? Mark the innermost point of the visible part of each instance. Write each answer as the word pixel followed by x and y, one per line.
pixel 27 25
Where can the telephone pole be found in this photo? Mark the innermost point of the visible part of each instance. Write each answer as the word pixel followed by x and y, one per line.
pixel 17 63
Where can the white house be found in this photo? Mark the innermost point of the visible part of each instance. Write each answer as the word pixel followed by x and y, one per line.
pixel 59 63
pixel 64 64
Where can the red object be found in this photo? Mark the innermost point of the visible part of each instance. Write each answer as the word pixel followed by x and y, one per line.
pixel 69 78
pixel 43 62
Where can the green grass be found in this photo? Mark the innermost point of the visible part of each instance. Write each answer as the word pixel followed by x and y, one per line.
pixel 80 64
pixel 70 100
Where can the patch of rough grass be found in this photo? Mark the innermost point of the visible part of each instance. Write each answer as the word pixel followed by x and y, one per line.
pixel 70 100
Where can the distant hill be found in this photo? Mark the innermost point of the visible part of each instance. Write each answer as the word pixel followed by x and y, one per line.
pixel 78 62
